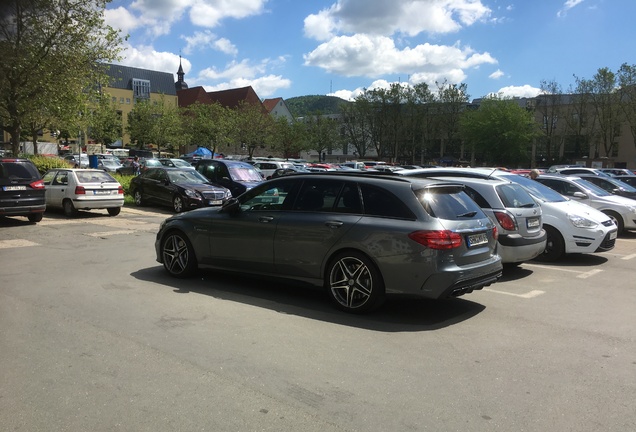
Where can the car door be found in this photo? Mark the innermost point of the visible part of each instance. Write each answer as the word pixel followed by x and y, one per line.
pixel 322 213
pixel 244 240
pixel 57 188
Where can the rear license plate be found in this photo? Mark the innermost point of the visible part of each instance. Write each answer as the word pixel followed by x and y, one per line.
pixel 215 202
pixel 13 188
pixel 101 192
pixel 477 239
pixel 533 222
pixel 613 235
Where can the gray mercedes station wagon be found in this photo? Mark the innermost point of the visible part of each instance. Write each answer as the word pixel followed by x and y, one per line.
pixel 359 236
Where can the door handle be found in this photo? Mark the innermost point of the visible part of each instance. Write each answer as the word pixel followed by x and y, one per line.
pixel 334 224
pixel 265 219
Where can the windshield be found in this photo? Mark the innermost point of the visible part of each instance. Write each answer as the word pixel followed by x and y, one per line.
pixel 621 184
pixel 245 174
pixel 180 163
pixel 590 187
pixel 536 189
pixel 186 176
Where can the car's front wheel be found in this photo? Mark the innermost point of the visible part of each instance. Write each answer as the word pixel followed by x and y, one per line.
pixel 35 217
pixel 178 256
pixel 114 211
pixel 353 283
pixel 139 199
pixel 69 208
pixel 177 204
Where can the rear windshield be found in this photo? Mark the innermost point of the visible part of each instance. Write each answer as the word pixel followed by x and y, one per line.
pixel 450 203
pixel 514 196
pixel 94 177
pixel 12 170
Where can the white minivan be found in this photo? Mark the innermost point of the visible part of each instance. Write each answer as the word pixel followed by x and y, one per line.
pixel 571 227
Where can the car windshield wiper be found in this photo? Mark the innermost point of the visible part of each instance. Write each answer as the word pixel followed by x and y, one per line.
pixel 529 205
pixel 467 214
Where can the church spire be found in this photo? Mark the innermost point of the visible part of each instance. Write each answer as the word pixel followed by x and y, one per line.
pixel 180 84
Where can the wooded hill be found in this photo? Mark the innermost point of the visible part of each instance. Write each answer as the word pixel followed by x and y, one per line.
pixel 301 106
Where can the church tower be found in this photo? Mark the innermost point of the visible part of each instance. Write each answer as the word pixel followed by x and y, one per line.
pixel 180 84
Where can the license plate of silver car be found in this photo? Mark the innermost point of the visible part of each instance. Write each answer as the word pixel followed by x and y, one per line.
pixel 477 239
pixel 533 222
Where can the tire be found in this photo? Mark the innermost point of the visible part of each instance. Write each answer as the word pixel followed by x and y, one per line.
pixel 113 211
pixel 618 220
pixel 138 197
pixel 69 208
pixel 353 283
pixel 555 246
pixel 35 217
pixel 177 204
pixel 177 255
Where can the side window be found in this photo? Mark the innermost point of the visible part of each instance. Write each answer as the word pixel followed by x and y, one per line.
pixel 268 198
pixel 349 200
pixel 318 195
pixel 61 178
pixel 380 202
pixel 222 171
pixel 476 196
pixel 48 177
pixel 556 185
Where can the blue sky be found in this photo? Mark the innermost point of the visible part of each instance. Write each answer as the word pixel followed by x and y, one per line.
pixel 288 48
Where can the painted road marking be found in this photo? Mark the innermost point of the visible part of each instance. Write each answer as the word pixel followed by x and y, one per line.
pixel 528 295
pixel 5 244
pixel 109 233
pixel 580 274
pixel 628 257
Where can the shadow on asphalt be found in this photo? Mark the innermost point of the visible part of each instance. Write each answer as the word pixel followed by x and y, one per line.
pixel 576 260
pixel 398 314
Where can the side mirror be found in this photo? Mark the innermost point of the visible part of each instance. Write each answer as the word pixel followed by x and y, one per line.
pixel 231 206
pixel 579 195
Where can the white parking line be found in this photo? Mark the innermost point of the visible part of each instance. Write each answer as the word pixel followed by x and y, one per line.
pixel 109 233
pixel 628 257
pixel 580 274
pixel 6 244
pixel 528 295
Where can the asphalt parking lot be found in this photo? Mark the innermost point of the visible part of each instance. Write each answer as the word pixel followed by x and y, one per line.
pixel 94 336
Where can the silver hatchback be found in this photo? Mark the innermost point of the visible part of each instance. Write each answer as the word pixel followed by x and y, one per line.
pixel 359 236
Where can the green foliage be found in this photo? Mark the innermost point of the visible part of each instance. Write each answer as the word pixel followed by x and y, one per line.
pixel 302 106
pixel 45 163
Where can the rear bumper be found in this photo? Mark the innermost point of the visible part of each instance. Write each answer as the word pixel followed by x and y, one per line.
pixel 516 248
pixel 22 210
pixel 87 204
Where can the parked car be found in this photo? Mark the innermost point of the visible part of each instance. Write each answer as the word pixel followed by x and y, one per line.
pixel 175 162
pixel 21 189
pixel 575 170
pixel 516 214
pixel 109 164
pixel 629 179
pixel 618 172
pixel 180 188
pixel 73 189
pixel 571 227
pixel 144 164
pixel 235 175
pixel 620 209
pixel 267 167
pixel 360 237
pixel 612 185
pixel 77 161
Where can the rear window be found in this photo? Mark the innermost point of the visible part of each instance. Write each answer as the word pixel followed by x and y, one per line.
pixel 18 170
pixel 448 203
pixel 514 196
pixel 94 177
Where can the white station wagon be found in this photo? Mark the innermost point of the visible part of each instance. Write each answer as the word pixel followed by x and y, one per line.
pixel 82 189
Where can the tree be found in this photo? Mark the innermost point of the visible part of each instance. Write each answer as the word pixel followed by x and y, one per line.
pixel 549 105
pixel 322 132
pixel 288 138
pixel 252 126
pixel 500 130
pixel 207 125
pixel 156 122
pixel 356 125
pixel 105 121
pixel 627 95
pixel 49 47
pixel 452 100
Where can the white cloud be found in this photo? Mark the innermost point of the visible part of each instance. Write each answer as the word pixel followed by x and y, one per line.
pixel 146 57
pixel 519 91
pixel 207 39
pixel 496 74
pixel 208 13
pixel 121 19
pixel 374 56
pixel 569 4
pixel 264 86
pixel 380 17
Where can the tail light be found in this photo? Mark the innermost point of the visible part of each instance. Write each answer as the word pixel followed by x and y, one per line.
pixel 79 190
pixel 120 190
pixel 38 184
pixel 506 221
pixel 495 233
pixel 441 240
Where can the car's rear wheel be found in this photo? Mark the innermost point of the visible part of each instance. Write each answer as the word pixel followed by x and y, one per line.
pixel 554 247
pixel 69 208
pixel 139 199
pixel 178 255
pixel 618 220
pixel 114 211
pixel 177 204
pixel 35 217
pixel 354 283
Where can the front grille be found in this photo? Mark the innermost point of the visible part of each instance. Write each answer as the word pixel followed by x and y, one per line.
pixel 213 195
pixel 606 244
